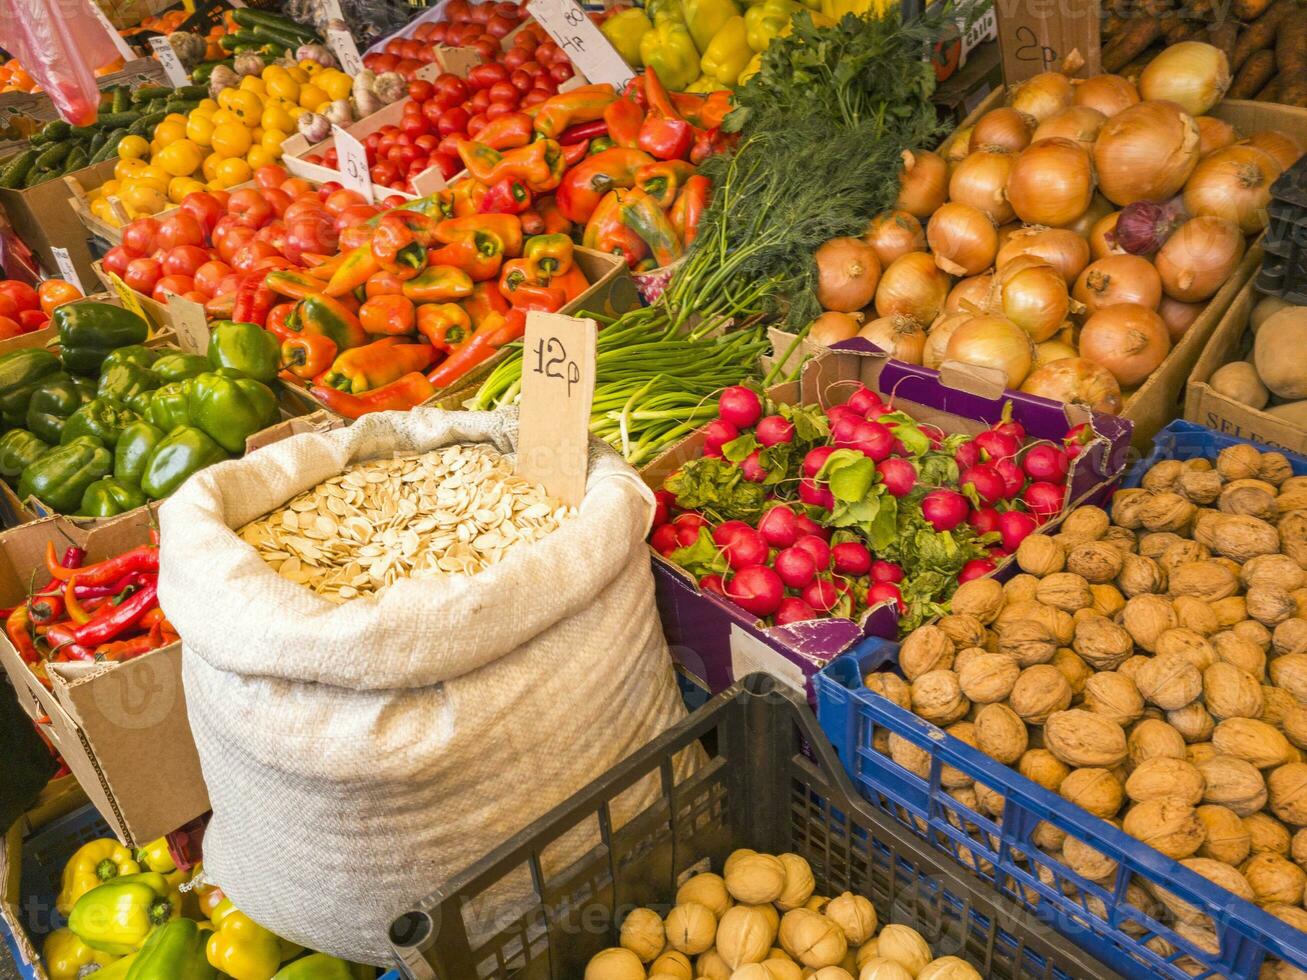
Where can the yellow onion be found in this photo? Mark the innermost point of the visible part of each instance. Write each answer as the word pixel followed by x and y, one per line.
pixel 1098 207
pixel 1079 124
pixel 1146 152
pixel 894 233
pixel 1109 94
pixel 959 146
pixel 1043 95
pixel 1052 183
pixel 899 336
pixel 1213 134
pixel 993 342
pixel 1053 350
pixel 1128 339
pixel 923 183
pixel 912 286
pixel 981 181
pixel 1002 129
pixel 963 239
pixel 937 338
pixel 832 327
pixel 1005 232
pixel 1284 148
pixel 1192 74
pixel 1077 380
pixel 970 295
pixel 847 274
pixel 1233 183
pixel 1061 248
pixel 1099 242
pixel 1199 257
pixel 1032 294
pixel 1116 279
pixel 1178 316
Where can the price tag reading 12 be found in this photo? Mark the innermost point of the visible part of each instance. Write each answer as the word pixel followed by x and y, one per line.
pixel 353 162
pixel 558 381
pixel 572 30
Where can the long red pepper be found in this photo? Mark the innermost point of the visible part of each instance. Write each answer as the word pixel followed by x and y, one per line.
pixel 16 628
pixel 124 615
pixel 63 644
pixel 141 559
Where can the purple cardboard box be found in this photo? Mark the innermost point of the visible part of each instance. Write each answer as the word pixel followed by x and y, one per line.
pixel 714 641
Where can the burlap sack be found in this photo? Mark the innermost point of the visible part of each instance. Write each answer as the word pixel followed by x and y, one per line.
pixel 358 755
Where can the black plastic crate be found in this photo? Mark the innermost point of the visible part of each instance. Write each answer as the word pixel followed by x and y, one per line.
pixel 772 783
pixel 1284 267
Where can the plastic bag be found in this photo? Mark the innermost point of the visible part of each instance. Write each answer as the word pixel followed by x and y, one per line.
pixel 60 43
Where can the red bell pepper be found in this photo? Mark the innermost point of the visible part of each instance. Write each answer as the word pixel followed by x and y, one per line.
pixel 377 364
pixel 663 180
pixel 690 205
pixel 358 266
pixel 307 355
pixel 666 139
pixel 480 258
pixel 439 284
pixel 583 104
pixel 574 153
pixel 506 228
pixel 253 300
pixel 485 302
pixel 276 324
pixel 387 316
pixel 296 285
pixel 444 325
pixel 480 347
pixel 508 196
pixel 656 97
pixel 641 213
pixel 585 184
pixel 507 132
pixel 624 119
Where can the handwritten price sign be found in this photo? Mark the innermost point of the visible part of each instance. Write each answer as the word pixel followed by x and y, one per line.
pixel 353 162
pixel 594 56
pixel 172 66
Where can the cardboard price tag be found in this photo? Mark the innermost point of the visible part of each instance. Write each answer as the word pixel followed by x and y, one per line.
pixel 172 65
pixel 342 45
pixel 558 381
pixel 1035 38
pixel 119 41
pixel 572 30
pixel 352 159
pixel 67 271
pixel 189 324
pixel 127 296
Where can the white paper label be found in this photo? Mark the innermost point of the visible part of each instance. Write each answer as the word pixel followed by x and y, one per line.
pixel 749 655
pixel 593 54
pixel 352 159
pixel 189 324
pixel 67 271
pixel 119 41
pixel 332 9
pixel 172 66
pixel 346 51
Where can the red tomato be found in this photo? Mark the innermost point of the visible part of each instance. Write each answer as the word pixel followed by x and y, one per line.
pixel 195 296
pixel 31 320
pixel 310 233
pixel 549 52
pixel 329 188
pixel 514 57
pixel 247 255
pixel 280 200
pixel 415 125
pixel 478 102
pixel 534 97
pixel 208 276
pixel 394 201
pixel 426 142
pixel 483 76
pixel 369 143
pixel 205 207
pixel 498 26
pixel 448 145
pixel 453 121
pixel 420 90
pixel 231 240
pixel 450 89
pixel 357 215
pixel 171 284
pixel 382 172
pixel 9 328
pixel 7 305
pixel 526 40
pixel 561 71
pixel 504 91
pixel 343 199
pixel 228 284
pixel 477 123
pixel 479 13
pixel 115 260
pixel 296 187
pixel 142 275
pixel 520 80
pixel 457 10
pixel 270 175
pixel 140 236
pixel 385 62
pixel 180 228
pixel 184 260
pixel 304 208
pixel 329 158
pixel 497 109
pixel 436 34
pixel 249 208
pixel 448 165
pixel 408 68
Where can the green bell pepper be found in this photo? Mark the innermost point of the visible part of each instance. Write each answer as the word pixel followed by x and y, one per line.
pixel 137 354
pixel 182 452
pixel 118 969
pixel 169 406
pixel 118 916
pixel 60 477
pixel 704 18
pixel 124 381
pixel 230 409
pixel 764 22
pixel 54 401
pixel 245 347
pixel 669 50
pixel 174 951
pixel 179 367
pixel 624 30
pixel 102 418
pixel 110 496
pixel 90 331
pixel 135 444
pixel 316 966
pixel 21 373
pixel 19 449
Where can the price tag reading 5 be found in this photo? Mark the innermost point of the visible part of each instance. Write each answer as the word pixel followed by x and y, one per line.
pixel 353 162
pixel 557 392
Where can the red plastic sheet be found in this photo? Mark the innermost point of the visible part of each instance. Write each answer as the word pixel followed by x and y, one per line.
pixel 59 42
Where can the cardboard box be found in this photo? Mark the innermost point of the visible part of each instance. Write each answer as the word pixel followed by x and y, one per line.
pixel 122 728
pixel 44 219
pixel 1041 35
pixel 1230 341
pixel 716 642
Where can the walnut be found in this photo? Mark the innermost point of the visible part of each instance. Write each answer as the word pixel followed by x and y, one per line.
pixel 937 697
pixel 1232 648
pixel 1229 611
pixel 1290 636
pixel 1042 767
pixel 1122 539
pixel 1298 849
pixel 1074 669
pixel 1093 789
pixel 1155 544
pixel 981 597
pixel 1279 571
pixel 950 777
pixel 1276 704
pixel 925 649
pixel 1239 462
pixel 1000 733
pixel 744 935
pixel 1170 681
pixel 1162 777
pixel 1087 522
pixel 1294 483
pixel 1027 641
pixel 892 687
pixel 1126 507
pixel 1192 721
pixel 988 677
pixel 1251 740
pixel 1214 871
pixel 1140 576
pixel 965 657
pixel 1266 834
pixel 1287 786
pixel 1227 838
pixel 1253 632
pixel 1274 879
pixel 1183 551
pixel 1291 500
pixel 1190 644
pixel 1229 692
pixel 1095 561
pixel 1085 861
pixel 1153 739
pixel 1241 538
pixel 1274 468
pixel 691 927
pixel 1082 738
pixel 812 939
pixel 1020 587
pixel 909 755
pixel 1199 752
pixel 1290 673
pixel 1102 643
pixel 1132 665
pixel 1064 590
pixel 755 879
pixel 1114 696
pixel 1234 783
pixel 1204 580
pixel 1293 527
pixel 1058 622
pixel 853 914
pixel 1195 614
pixel 798 888
pixel 964 630
pixel 1250 501
pixel 1039 691
pixel 1167 825
pixel 1167 512
pixel 707 889
pixel 1270 605
pixel 1040 555
pixel 1200 486
pixel 1146 617
pixel 1108 600
pixel 1162 477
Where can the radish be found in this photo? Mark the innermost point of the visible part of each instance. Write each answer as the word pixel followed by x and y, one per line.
pixel 687 527
pixel 752 469
pixel 900 448
pixel 851 558
pixel 712 583
pixel 899 475
pixel 932 432
pixel 886 592
pixel 986 481
pixel 816 459
pixel 944 509
pixel 718 433
pixel 757 588
pixel 998 445
pixel 976 568
pixel 779 527
pixel 1013 478
pixel 864 401
pixel 1046 462
pixel 725 532
pixel 873 439
pixel 967 455
pixel 808 526
pixel 821 594
pixel 1077 438
pixel 818 548
pixel 886 571
pixel 794 610
pixel 984 520
pixel 745 548
pixel 1043 499
pixel 998 552
pixel 843 431
pixel 796 567
pixel 810 492
pixel 774 429
pixel 739 406
pixel 1013 429
pixel 837 412
pixel 664 502
pixel 664 540
pixel 1014 527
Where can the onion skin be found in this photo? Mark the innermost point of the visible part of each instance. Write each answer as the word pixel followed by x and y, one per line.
pixel 963 239
pixel 899 336
pixel 832 327
pixel 1143 227
pixel 1052 183
pixel 993 342
pixel 1178 316
pixel 912 286
pixel 1053 350
pixel 1061 248
pixel 1284 148
pixel 1043 95
pixel 1213 134
pixel 1197 260
pixel 894 233
pixel 1079 124
pixel 1109 94
pixel 970 295
pixel 847 274
pixel 923 183
pixel 1077 380
pixel 1146 153
pixel 1192 74
pixel 1003 128
pixel 937 338
pixel 981 181
pixel 1032 294
pixel 959 146
pixel 1099 207
pixel 1117 279
pixel 1100 245
pixel 1128 339
pixel 1233 183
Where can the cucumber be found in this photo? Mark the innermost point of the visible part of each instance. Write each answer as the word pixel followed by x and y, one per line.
pixel 259 18
pixel 97 141
pixel 202 72
pixel 51 131
pixel 83 133
pixel 191 92
pixel 39 177
pixel 52 157
pixel 15 170
pixel 110 146
pixel 122 99
pixel 182 106
pixel 272 52
pixel 113 120
pixel 145 125
pixel 268 35
pixel 147 92
pixel 77 159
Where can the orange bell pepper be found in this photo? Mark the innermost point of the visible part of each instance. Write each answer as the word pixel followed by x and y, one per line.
pixel 445 325
pixel 307 355
pixel 377 364
pixel 387 316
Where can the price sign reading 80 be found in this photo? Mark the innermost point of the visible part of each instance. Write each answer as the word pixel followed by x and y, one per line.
pixel 572 30
pixel 552 361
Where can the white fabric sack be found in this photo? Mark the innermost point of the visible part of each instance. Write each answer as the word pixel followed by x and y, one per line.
pixel 359 755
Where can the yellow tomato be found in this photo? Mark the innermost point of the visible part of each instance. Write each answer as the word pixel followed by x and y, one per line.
pixel 143 198
pixel 272 140
pixel 128 167
pixel 225 97
pixel 180 158
pixel 311 97
pixel 296 111
pixel 307 68
pixel 175 117
pixel 105 189
pixel 247 107
pixel 276 117
pixel 223 116
pixel 133 148
pixel 199 130
pixel 335 83
pixel 283 87
pixel 233 171
pixel 206 107
pixel 102 210
pixel 252 83
pixel 231 140
pixel 169 130
pixel 259 157
pixel 210 167
pixel 179 187
pixel 273 71
pixel 155 176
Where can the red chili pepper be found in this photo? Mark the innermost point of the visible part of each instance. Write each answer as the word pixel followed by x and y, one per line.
pixel 507 196
pixel 64 646
pixel 17 629
pixel 575 153
pixel 254 300
pixel 124 615
pixel 45 609
pixel 144 558
pixel 151 617
pixel 480 347
pixel 75 612
pixel 120 650
pixel 656 95
pixel 86 592
pixel 582 132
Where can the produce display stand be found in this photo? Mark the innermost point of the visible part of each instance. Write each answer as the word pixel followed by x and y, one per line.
pixel 771 783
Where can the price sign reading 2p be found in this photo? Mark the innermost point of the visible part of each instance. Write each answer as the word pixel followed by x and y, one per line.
pixel 558 379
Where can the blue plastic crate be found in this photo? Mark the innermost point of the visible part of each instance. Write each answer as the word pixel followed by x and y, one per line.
pixel 1186 440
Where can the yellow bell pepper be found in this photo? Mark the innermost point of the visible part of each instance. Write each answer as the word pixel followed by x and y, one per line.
pixel 155 856
pixel 766 20
pixel 660 10
pixel 752 68
pixel 728 53
pixel 624 31
pixel 65 955
pixel 669 50
pixel 240 947
pixel 703 85
pixel 705 18
pixel 93 864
